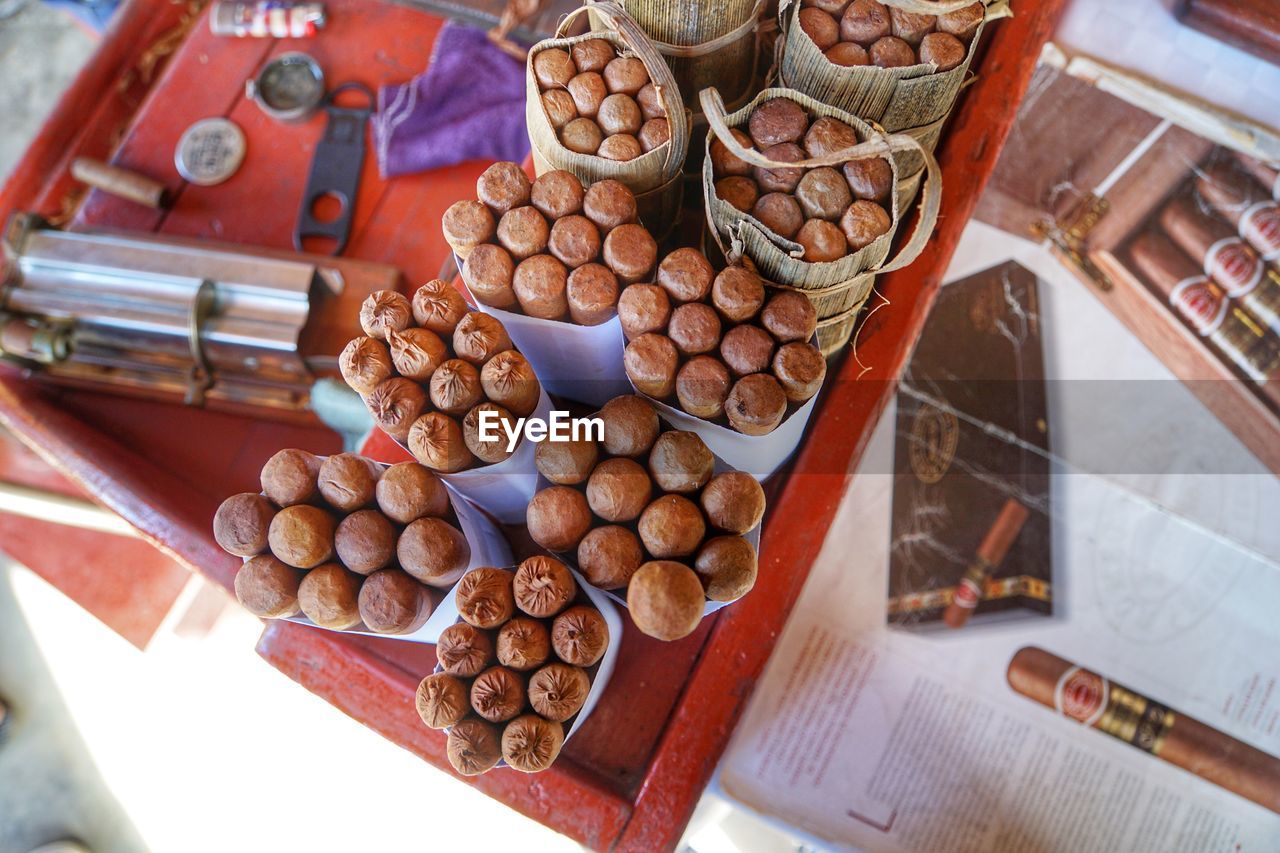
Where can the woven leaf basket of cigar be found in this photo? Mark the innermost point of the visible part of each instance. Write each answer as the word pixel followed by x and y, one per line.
pixel 650 515
pixel 549 258
pixel 526 654
pixel 429 369
pixel 349 544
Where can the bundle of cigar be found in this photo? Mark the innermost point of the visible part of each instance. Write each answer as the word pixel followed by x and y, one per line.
pixel 516 669
pixel 712 343
pixel 343 540
pixel 555 250
pixel 600 102
pixel 644 511
pixel 428 394
pixel 830 212
pixel 864 32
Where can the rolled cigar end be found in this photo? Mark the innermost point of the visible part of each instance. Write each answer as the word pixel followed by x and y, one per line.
pixel 120 182
pixel 1034 673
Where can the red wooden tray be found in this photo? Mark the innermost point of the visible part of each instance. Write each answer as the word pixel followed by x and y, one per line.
pixel 633 775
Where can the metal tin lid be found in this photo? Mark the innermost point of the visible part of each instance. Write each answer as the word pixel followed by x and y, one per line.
pixel 210 151
pixel 289 87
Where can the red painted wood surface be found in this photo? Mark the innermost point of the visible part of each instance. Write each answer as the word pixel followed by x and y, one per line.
pixel 632 776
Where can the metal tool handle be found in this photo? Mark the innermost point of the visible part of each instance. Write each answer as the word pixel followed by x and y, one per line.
pixel 335 169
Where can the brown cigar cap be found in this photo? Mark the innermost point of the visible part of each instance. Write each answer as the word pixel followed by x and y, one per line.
pixel 727 567
pixel 503 186
pixel 607 557
pixel 780 213
pixel 365 541
pixel 822 29
pixel 488 271
pixel 775 121
pixel 733 501
pixel 523 231
pixel 619 489
pixel 625 74
pixel 497 694
pixel 508 380
pixel 553 68
pixel 365 363
pixel 490 451
pixel 523 644
pixel 580 635
pixel 566 463
pixel 724 162
pixel 384 311
pixel 870 179
pixel 531 744
pixel 654 133
pixel 433 551
pixel 650 361
pixel 588 92
pixel 464 650
pixel 835 8
pixel 892 52
pixel 738 191
pixel 539 284
pixel 827 136
pixel 823 193
pixel 864 223
pixel 650 102
pixel 417 352
pixel 822 241
pixel 268 588
pixel 438 306
pixel 694 328
pixel 963 23
pixel 619 114
pixel 800 369
pixel 479 337
pixel 543 586
pixel 559 106
pixel 558 517
pixel 864 22
pixel 671 526
pixel 630 426
pixel 436 441
pixel 737 293
pixel 302 536
pixel 575 241
pixel 702 386
pixel 747 349
pixel 630 252
pixel 558 691
pixel 474 747
pixel 665 600
pixel 592 293
pixel 392 602
pixel 782 179
pixel 582 136
pixel 911 27
pixel 467 224
pixel 241 523
pixel 686 275
pixel 484 597
pixel 328 597
pixel 790 316
pixel 943 50
pixel 680 462
pixel 455 387
pixel 608 204
pixel 620 147
pixel 557 194
pixel 408 491
pixel 395 404
pixel 592 54
pixel 756 405
pixel 441 700
pixel 643 308
pixel 848 54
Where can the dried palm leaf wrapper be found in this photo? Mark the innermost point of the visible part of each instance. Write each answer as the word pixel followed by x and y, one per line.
pixel 838 287
pixel 655 175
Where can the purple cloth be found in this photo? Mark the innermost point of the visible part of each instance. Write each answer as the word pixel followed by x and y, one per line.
pixel 467 105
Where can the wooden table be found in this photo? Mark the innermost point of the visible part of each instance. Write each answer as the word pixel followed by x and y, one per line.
pixel 632 776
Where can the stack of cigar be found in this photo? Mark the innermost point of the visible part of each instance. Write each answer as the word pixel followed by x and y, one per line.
pixel 864 32
pixel 343 540
pixel 428 368
pixel 645 513
pixel 1213 254
pixel 516 669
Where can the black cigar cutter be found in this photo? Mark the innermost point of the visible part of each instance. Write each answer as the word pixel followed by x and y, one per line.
pixel 335 169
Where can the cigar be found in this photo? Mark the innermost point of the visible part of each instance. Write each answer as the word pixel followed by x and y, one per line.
pixel 1204 306
pixel 991 553
pixel 120 182
pixel 1267 174
pixel 1142 722
pixel 1243 202
pixel 1227 259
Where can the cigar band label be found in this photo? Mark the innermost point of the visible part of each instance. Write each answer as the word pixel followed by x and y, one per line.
pixel 1201 302
pixel 971 588
pixel 1260 225
pixel 967 594
pixel 1233 265
pixel 1082 695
